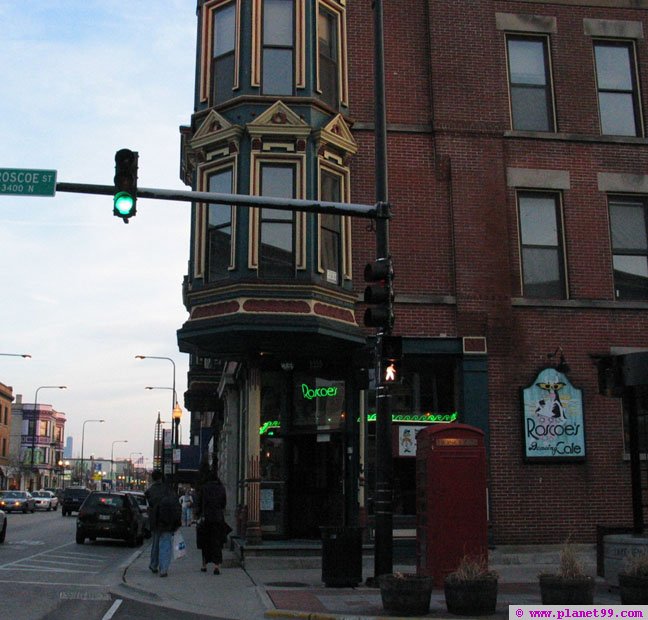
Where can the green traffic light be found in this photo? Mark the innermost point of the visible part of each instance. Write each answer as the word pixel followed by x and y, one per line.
pixel 124 203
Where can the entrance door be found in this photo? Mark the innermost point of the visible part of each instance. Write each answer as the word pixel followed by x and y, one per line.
pixel 316 483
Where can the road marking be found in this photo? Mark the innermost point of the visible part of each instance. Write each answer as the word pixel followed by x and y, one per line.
pixel 84 596
pixel 111 612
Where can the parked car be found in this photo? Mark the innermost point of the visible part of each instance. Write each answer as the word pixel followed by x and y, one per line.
pixel 73 497
pixel 110 514
pixel 45 500
pixel 3 527
pixel 144 507
pixel 11 501
pixel 57 492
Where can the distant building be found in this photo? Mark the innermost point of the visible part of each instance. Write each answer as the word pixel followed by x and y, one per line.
pixel 67 453
pixel 6 398
pixel 38 448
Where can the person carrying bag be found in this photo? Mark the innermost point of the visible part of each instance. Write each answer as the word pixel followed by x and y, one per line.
pixel 212 531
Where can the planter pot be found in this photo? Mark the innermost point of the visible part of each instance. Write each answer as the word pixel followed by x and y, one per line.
pixel 471 598
pixel 556 590
pixel 407 595
pixel 633 590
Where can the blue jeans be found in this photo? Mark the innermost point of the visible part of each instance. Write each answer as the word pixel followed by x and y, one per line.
pixel 161 550
pixel 187 513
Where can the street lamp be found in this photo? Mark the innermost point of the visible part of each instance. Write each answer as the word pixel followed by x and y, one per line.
pixel 25 355
pixel 64 465
pixel 155 357
pixel 112 461
pixel 83 476
pixel 34 418
pixel 133 468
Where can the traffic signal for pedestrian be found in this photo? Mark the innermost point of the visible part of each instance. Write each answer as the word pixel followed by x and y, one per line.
pixel 125 199
pixel 379 296
pixel 392 353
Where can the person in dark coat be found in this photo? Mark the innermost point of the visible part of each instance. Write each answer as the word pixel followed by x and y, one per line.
pixel 213 530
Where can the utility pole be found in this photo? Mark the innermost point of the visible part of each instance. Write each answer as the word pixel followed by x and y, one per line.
pixel 383 547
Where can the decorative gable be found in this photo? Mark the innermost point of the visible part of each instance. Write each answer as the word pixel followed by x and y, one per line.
pixel 215 129
pixel 337 134
pixel 279 121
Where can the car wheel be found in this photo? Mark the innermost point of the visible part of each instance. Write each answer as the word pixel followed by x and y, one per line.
pixel 80 538
pixel 3 534
pixel 33 510
pixel 25 511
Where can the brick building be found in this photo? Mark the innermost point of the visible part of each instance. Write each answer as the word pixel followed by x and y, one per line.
pixel 6 398
pixel 517 174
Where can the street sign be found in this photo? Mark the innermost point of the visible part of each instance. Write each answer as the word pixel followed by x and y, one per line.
pixel 21 182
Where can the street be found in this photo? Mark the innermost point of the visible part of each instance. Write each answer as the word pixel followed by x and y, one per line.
pixel 44 574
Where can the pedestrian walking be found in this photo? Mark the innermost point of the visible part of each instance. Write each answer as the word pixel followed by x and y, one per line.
pixel 164 519
pixel 212 530
pixel 186 501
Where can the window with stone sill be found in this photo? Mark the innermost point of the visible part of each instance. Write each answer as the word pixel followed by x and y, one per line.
pixel 541 245
pixel 629 237
pixel 530 87
pixel 618 92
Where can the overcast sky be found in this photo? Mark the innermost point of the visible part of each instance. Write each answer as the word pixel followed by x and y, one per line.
pixel 82 292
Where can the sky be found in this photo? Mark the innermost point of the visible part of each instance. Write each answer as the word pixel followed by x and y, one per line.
pixel 82 293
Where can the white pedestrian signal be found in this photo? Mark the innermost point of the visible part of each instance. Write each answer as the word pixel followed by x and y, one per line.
pixel 390 372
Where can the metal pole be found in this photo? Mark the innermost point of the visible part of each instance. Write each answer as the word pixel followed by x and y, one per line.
pixel 239 200
pixel 383 550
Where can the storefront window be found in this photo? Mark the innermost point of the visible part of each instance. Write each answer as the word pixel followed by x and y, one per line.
pixel 318 402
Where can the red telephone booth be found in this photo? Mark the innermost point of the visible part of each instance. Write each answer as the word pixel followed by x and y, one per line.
pixel 451 511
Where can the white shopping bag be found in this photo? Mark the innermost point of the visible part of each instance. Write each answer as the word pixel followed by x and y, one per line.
pixel 179 546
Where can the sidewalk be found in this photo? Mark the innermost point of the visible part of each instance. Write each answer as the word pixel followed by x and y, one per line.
pixel 298 592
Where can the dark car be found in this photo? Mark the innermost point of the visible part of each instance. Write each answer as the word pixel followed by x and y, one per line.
pixel 17 500
pixel 3 526
pixel 144 507
pixel 107 514
pixel 73 497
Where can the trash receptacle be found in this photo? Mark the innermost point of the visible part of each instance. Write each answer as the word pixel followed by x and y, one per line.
pixel 341 556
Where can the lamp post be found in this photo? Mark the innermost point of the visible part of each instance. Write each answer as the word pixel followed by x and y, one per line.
pixel 155 357
pixel 112 460
pixel 83 476
pixel 64 465
pixel 25 355
pixel 133 468
pixel 35 419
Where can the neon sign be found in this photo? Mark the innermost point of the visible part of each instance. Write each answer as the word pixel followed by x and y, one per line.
pixel 420 418
pixel 319 392
pixel 268 425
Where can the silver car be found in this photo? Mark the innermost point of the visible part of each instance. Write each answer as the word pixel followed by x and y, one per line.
pixel 45 500
pixel 22 501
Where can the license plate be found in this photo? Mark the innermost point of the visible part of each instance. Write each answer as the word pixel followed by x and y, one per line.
pixel 104 517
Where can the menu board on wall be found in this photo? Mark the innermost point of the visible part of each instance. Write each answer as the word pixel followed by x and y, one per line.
pixel 553 424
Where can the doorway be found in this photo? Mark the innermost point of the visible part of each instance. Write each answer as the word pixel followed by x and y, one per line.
pixel 316 483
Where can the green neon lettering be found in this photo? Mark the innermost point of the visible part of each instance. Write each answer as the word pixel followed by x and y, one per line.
pixel 320 392
pixel 268 425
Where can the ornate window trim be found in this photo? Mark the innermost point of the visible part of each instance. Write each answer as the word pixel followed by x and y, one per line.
pixel 207 42
pixel 339 10
pixel 299 39
pixel 215 145
pixel 205 171
pixel 331 164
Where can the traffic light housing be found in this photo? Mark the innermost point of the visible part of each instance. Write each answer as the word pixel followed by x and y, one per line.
pixel 380 295
pixel 125 199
